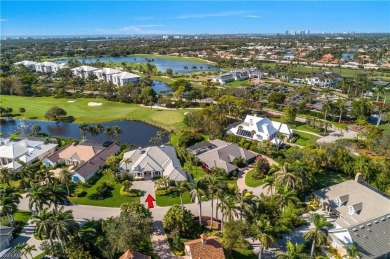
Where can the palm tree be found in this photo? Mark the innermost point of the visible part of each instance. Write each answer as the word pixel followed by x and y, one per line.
pixel 109 132
pixel 64 178
pixel 56 195
pixel 293 252
pixel 353 252
pixel 286 197
pixel 9 205
pixel 270 183
pixel 84 128
pixel 37 196
pixel 63 225
pixel 318 233
pixel 116 131
pixel 43 224
pixel 162 182
pixel 214 184
pixel 245 201
pixel 126 161
pixel 227 205
pixel 36 129
pixel 5 175
pixel 340 104
pixel 285 177
pixel 181 187
pixel 265 238
pixel 29 249
pixel 198 189
pixel 326 107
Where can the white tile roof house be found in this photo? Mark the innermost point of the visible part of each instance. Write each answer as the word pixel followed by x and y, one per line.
pixel 152 162
pixel 260 129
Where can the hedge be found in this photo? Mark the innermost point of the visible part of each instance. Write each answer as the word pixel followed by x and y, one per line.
pixel 130 193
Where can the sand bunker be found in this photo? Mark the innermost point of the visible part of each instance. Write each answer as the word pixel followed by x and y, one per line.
pixel 71 101
pixel 94 104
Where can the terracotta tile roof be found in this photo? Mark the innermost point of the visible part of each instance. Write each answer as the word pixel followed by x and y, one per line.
pixel 211 249
pixel 134 255
pixel 79 152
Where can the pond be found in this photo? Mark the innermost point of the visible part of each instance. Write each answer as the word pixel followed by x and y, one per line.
pixel 178 66
pixel 161 87
pixel 133 132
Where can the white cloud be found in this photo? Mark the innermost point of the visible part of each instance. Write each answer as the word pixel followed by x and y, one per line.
pixel 134 29
pixel 251 16
pixel 222 14
pixel 3 20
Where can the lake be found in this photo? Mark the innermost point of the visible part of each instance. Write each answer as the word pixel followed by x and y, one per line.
pixel 133 132
pixel 161 87
pixel 162 64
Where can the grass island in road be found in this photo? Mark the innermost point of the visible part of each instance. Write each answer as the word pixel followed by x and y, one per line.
pixel 36 108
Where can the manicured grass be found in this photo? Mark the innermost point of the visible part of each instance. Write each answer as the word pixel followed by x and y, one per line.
pixel 115 200
pixel 173 198
pixel 305 138
pixel 237 83
pixel 197 172
pixel 329 178
pixel 252 182
pixel 22 215
pixel 36 108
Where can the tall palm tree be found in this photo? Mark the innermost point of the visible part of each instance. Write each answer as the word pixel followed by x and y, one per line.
pixel 63 225
pixel 56 195
pixel 286 197
pixel 293 252
pixel 198 189
pixel 181 187
pixel 265 237
pixel 64 177
pixel 318 233
pixel 5 175
pixel 353 252
pixel 37 196
pixel 127 161
pixel 109 132
pixel 214 184
pixel 116 131
pixel 84 129
pixel 163 182
pixel 43 224
pixel 245 202
pixel 270 183
pixel 28 249
pixel 326 107
pixel 285 177
pixel 227 205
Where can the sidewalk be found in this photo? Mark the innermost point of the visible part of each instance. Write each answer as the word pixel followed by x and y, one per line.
pixel 27 236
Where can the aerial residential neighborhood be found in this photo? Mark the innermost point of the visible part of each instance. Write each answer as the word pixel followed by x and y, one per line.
pixel 195 130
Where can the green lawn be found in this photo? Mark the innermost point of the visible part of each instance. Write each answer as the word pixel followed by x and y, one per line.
pixel 115 200
pixel 173 198
pixel 237 83
pixel 36 108
pixel 22 215
pixel 250 181
pixel 197 172
pixel 305 138
pixel 329 178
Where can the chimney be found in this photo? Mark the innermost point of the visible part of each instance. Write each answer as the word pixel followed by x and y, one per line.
pixel 359 177
pixel 203 237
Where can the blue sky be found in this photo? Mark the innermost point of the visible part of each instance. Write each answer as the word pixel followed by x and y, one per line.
pixel 190 17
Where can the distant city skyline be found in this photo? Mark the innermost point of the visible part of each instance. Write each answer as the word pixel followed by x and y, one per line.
pixel 85 18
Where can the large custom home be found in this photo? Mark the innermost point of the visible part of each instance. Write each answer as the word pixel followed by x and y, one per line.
pixel 260 129
pixel 15 153
pixel 205 247
pixel 323 79
pixel 124 78
pixel 363 217
pixel 105 74
pixel 45 67
pixel 86 160
pixel 238 75
pixel 150 162
pixel 218 153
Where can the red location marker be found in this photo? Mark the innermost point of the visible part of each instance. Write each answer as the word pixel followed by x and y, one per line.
pixel 150 201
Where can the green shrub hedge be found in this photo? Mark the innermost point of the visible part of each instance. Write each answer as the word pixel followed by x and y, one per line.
pixel 130 193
